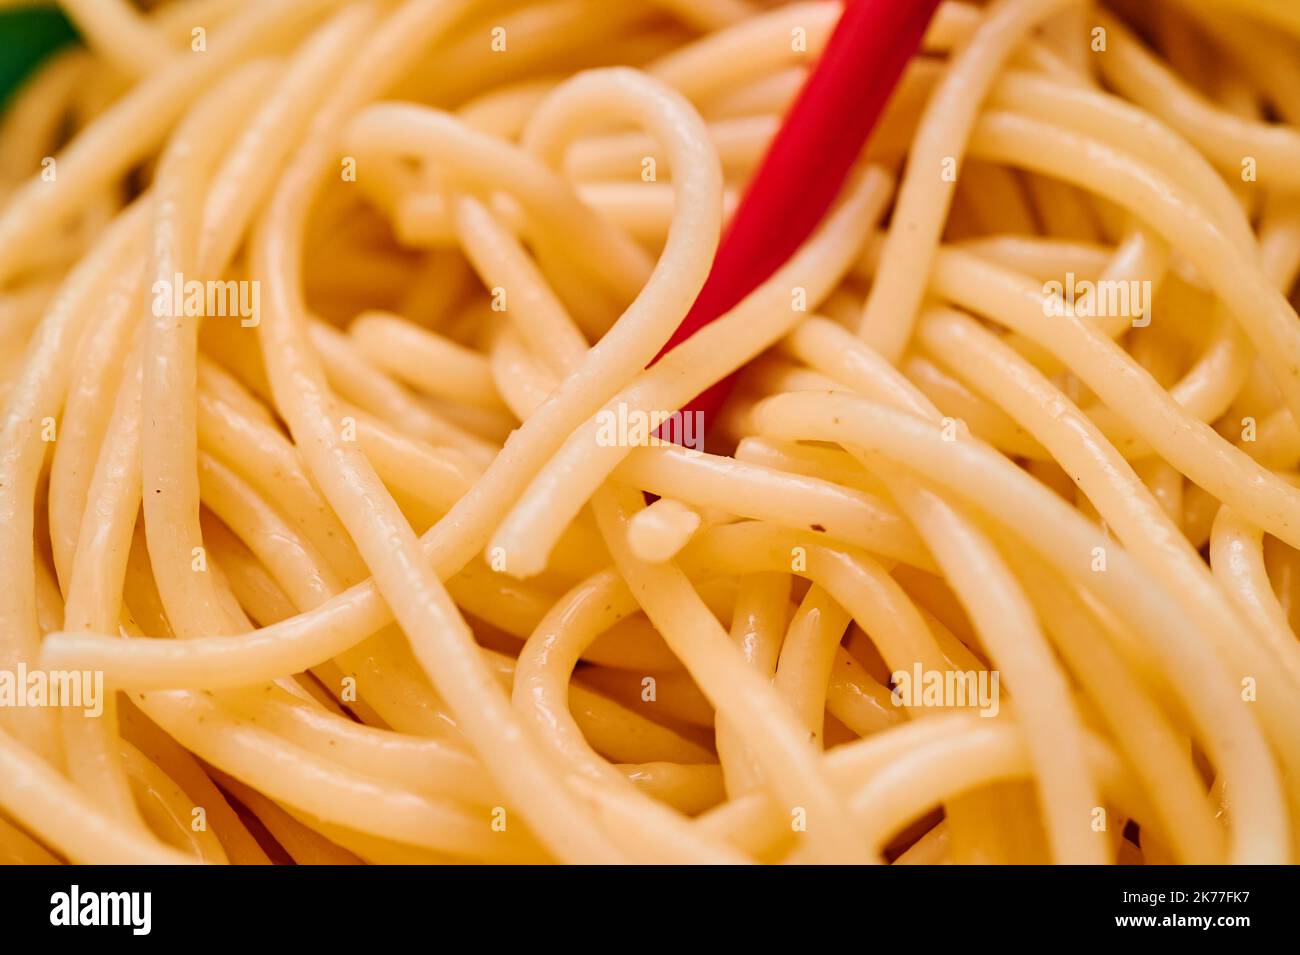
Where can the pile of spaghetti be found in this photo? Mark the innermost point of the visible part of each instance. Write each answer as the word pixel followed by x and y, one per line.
pixel 327 340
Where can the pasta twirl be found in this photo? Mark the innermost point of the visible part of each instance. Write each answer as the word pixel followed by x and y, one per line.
pixel 336 488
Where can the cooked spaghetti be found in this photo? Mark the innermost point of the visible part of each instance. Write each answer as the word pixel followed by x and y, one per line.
pixel 335 521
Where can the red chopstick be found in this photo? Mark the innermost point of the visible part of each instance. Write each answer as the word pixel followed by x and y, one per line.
pixel 808 160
